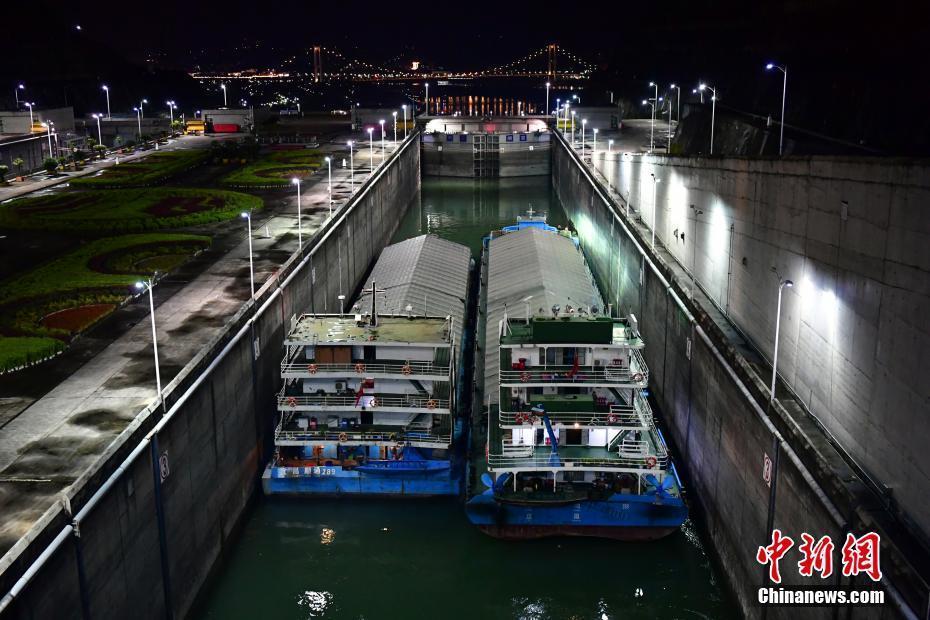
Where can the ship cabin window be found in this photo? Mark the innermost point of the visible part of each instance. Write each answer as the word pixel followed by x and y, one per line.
pixel 333 355
pixel 565 355
pixel 540 436
pixel 370 353
pixel 571 436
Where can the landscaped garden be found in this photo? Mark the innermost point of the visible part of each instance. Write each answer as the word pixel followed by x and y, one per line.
pixel 45 307
pixel 125 210
pixel 150 170
pixel 276 168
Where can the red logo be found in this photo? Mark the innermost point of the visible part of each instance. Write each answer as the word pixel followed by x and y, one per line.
pixel 774 552
pixel 817 556
pixel 859 555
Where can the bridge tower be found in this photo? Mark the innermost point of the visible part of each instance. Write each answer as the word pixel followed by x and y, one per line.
pixel 317 63
pixel 552 49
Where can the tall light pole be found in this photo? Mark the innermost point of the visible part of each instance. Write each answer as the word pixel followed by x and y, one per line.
pixel 584 123
pixel 48 129
pixel 404 107
pixel 558 106
pixel 784 94
pixel 697 213
pixel 652 124
pixel 713 111
pixel 567 107
pixel 573 128
pixel 248 218
pixel 31 118
pixel 16 90
pixel 223 88
pixel 142 111
pixel 148 285
pixel 594 145
pixel 300 238
pixel 610 144
pixel 678 109
pixel 427 98
pixel 106 89
pixel 371 147
pixel 394 114
pixel 652 128
pixel 547 97
pixel 139 121
pixel 782 283
pixel 351 167
pixel 99 132
pixel 668 146
pixel 655 183
pixel 329 172
pixel 381 122
pixel 170 113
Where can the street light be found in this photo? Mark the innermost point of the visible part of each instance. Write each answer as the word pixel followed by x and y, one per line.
pixel 567 107
pixel 31 119
pixel 610 144
pixel 106 89
pixel 351 167
pixel 655 183
pixel 547 97
pixel 405 120
pixel 652 124
pixel 427 98
pixel 371 148
pixel 300 238
pixel 329 170
pixel 16 90
pixel 394 114
pixel 584 123
pixel 782 283
pixel 170 113
pixel 141 111
pixel 248 217
pixel 381 122
pixel 148 285
pixel 139 121
pixel 99 132
pixel 558 106
pixel 784 94
pixel 48 130
pixel 223 88
pixel 594 146
pixel 678 108
pixel 713 111
pixel 573 128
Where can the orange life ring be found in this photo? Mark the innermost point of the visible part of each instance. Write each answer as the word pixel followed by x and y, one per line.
pixel 611 418
pixel 651 461
pixel 524 376
pixel 431 404
pixel 637 377
pixel 360 368
pixel 291 401
pixel 407 369
pixel 518 417
pixel 312 369
pixel 343 437
pixel 373 403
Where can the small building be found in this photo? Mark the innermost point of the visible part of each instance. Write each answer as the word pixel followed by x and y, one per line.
pixel 490 147
pixel 228 120
pixel 121 130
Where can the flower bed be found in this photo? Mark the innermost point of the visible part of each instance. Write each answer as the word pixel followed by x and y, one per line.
pixel 276 169
pixel 150 170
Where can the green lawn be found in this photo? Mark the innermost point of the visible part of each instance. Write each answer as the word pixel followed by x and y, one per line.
pixel 125 210
pixel 80 288
pixel 150 170
pixel 276 168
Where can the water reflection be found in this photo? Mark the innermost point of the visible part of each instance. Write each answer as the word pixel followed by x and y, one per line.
pixel 315 603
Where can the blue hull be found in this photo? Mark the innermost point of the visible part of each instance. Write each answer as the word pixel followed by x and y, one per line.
pixel 329 481
pixel 622 517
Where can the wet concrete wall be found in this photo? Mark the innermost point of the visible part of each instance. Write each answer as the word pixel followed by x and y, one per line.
pixel 150 525
pixel 453 154
pixel 713 409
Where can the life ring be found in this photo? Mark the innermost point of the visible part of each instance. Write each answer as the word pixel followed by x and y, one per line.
pixel 373 403
pixel 291 402
pixel 651 461
pixel 612 419
pixel 312 369
pixel 392 436
pixel 518 417
pixel 533 419
pixel 524 376
pixel 637 377
pixel 431 404
pixel 360 368
pixel 343 437
pixel 407 369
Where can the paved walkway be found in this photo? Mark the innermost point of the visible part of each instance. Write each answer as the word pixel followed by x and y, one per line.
pixel 46 443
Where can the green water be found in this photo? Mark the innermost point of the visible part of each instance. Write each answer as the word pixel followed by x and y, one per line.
pixel 359 559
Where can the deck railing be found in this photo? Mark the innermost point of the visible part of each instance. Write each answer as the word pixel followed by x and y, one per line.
pixel 349 435
pixel 371 402
pixel 634 375
pixel 302 368
pixel 545 462
pixel 628 417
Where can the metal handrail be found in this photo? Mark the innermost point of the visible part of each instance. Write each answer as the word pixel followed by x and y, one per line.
pixel 623 416
pixel 352 435
pixel 289 403
pixel 364 369
pixel 636 373
pixel 544 462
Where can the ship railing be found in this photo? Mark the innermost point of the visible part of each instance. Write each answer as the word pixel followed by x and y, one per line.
pixel 367 402
pixel 634 375
pixel 302 369
pixel 517 450
pixel 547 462
pixel 349 435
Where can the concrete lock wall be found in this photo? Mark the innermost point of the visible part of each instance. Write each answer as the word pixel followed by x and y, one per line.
pixel 854 236
pixel 453 154
pixel 147 535
pixel 712 406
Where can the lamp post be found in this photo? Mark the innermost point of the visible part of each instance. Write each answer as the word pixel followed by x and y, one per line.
pixel 142 111
pixel 329 172
pixel 48 129
pixel 16 90
pixel 567 107
pixel 427 99
pixel 784 94
pixel 31 118
pixel 782 283
pixel 106 89
pixel 139 121
pixel 713 111
pixel 99 132
pixel 558 106
pixel 223 88
pixel 610 144
pixel 394 114
pixel 678 108
pixel 371 147
pixel 573 127
pixel 594 144
pixel 351 167
pixel 148 285
pixel 584 123
pixel 248 218
pixel 170 113
pixel 300 238
pixel 652 124
pixel 404 108
pixel 697 213
pixel 547 97
pixel 655 183
pixel 381 122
